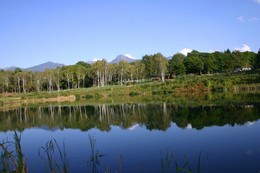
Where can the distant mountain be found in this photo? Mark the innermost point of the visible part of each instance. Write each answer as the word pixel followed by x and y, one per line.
pixel 122 58
pixel 42 67
pixel 12 68
pixel 39 68
pixel 91 62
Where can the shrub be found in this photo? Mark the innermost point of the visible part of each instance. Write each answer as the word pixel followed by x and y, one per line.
pixel 133 93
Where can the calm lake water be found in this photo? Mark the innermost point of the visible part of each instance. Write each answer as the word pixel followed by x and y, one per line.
pixel 139 137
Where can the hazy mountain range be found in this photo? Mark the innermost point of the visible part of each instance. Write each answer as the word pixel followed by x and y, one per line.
pixel 40 67
pixel 52 65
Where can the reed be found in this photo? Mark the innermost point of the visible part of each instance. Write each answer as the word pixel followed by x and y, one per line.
pixel 170 164
pixel 11 158
pixel 47 154
pixel 95 156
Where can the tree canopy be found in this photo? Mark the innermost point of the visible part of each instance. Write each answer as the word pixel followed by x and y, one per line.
pixel 102 73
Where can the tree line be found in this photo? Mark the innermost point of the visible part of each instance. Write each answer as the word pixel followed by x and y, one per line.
pixel 101 73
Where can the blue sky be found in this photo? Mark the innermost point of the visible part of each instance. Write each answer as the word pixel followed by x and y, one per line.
pixel 68 31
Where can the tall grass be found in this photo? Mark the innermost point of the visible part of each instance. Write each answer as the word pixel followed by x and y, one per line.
pixel 47 154
pixel 11 158
pixel 95 156
pixel 170 164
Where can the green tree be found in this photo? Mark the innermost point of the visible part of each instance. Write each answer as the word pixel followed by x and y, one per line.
pixel 30 86
pixel 209 62
pixel 229 63
pixel 162 65
pixel 99 71
pixel 123 71
pixel 155 65
pixel 249 59
pixel 6 80
pixel 112 73
pixel 86 73
pixel 139 70
pixel 150 66
pixel 57 77
pixel 257 64
pixel 68 74
pixel 193 63
pixel 24 75
pixel 218 56
pixel 81 72
pixel 176 65
pixel 1 81
pixel 84 64
pixel 38 81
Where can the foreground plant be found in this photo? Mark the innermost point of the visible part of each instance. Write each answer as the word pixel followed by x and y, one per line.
pixel 94 160
pixel 11 157
pixel 170 164
pixel 47 154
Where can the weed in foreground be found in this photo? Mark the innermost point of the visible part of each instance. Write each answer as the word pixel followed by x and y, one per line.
pixel 47 154
pixel 11 156
pixel 170 164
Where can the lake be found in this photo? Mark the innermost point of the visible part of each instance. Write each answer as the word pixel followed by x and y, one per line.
pixel 145 137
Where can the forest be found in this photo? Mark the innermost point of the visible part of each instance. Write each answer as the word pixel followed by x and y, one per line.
pixel 150 67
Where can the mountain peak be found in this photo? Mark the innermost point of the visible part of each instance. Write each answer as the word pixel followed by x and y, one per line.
pixel 128 58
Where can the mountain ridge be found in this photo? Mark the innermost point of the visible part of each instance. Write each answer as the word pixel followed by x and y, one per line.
pixel 37 68
pixel 44 66
pixel 51 65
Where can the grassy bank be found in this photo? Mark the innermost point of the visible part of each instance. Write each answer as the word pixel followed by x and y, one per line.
pixel 188 86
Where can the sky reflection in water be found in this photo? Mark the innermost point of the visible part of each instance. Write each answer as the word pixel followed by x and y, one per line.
pixel 223 148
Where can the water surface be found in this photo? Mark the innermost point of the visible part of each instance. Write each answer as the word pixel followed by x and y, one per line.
pixel 138 137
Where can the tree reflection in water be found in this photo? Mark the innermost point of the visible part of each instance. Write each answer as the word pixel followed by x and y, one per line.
pixel 152 116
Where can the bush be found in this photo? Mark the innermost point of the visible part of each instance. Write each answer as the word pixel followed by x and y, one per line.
pixel 133 93
pixel 77 96
pixel 88 96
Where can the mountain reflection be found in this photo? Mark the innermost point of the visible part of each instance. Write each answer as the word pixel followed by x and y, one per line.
pixel 127 116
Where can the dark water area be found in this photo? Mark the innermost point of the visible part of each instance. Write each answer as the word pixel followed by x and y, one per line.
pixel 139 137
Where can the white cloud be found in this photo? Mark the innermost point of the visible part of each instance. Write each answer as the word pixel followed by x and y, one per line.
pixel 185 51
pixel 246 19
pixel 257 1
pixel 253 19
pixel 96 59
pixel 244 48
pixel 129 56
pixel 189 126
pixel 249 123
pixel 241 18
pixel 134 127
pixel 212 51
